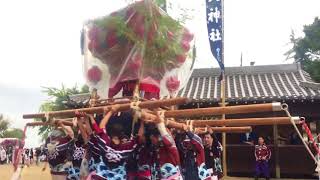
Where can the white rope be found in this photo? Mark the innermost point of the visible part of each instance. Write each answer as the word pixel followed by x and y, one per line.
pixel 74 122
pixel 52 121
pixel 285 109
pixel 167 122
pixel 137 113
pixel 47 116
pixel 135 107
pixel 191 126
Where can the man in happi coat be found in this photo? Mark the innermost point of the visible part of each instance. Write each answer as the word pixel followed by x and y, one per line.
pixel 213 150
pixel 166 160
pixel 193 157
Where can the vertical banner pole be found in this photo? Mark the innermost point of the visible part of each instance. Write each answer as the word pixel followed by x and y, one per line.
pixel 215 25
pixel 223 97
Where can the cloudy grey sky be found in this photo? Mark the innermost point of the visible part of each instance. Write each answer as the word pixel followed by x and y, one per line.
pixel 40 41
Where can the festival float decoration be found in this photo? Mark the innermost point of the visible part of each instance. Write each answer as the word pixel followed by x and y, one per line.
pixel 137 43
pixel 142 43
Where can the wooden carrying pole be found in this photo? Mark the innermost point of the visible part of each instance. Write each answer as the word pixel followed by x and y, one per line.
pixel 123 107
pixel 241 109
pixel 244 129
pixel 66 123
pixel 186 113
pixel 172 124
pixel 246 122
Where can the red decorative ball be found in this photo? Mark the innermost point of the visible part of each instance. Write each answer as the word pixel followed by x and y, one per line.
pixel 187 35
pixel 111 39
pixel 94 74
pixel 185 46
pixel 181 58
pixel 172 84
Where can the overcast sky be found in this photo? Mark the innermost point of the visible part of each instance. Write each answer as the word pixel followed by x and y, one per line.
pixel 39 41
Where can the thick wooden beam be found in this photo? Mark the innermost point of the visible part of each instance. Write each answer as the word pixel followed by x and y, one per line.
pixel 244 129
pixel 241 109
pixel 227 122
pixel 66 123
pixel 123 107
pixel 245 122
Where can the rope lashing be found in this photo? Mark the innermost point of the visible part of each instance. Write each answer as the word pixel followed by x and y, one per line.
pixel 136 109
pixel 74 122
pixel 52 121
pixel 136 113
pixel 285 108
pixel 191 126
pixel 106 110
pixel 309 133
pixel 47 116
pixel 166 122
pixel 187 124
pixel 162 116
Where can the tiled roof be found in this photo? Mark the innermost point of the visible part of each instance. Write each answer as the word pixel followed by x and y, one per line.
pixel 248 84
pixel 272 82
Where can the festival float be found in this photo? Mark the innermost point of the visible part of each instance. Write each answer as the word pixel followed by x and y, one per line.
pixel 133 58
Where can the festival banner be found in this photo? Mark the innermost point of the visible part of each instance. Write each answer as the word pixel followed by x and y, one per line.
pixel 215 29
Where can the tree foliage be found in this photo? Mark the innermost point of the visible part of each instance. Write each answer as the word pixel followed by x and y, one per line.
pixel 13 133
pixel 306 50
pixel 4 124
pixel 5 132
pixel 57 101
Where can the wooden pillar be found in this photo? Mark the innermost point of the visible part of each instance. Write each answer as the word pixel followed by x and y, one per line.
pixel 276 150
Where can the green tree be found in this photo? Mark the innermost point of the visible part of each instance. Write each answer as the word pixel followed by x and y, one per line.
pixel 306 50
pixel 4 124
pixel 13 133
pixel 57 101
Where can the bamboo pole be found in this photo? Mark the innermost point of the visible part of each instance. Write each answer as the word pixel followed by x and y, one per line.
pixel 244 129
pixel 223 117
pixel 123 107
pixel 66 123
pixel 245 122
pixel 223 96
pixel 148 117
pixel 240 109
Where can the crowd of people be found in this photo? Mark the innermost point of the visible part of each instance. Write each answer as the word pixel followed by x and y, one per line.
pixel 103 150
pixel 110 146
pixel 28 155
pixel 152 152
